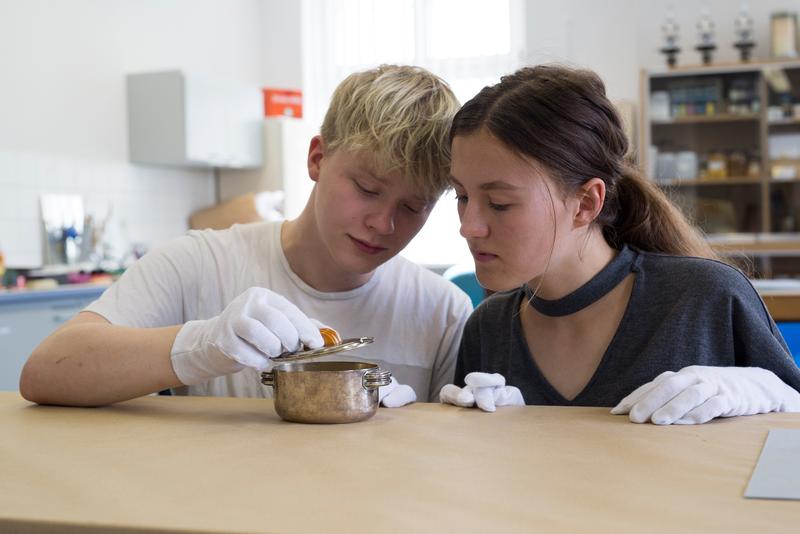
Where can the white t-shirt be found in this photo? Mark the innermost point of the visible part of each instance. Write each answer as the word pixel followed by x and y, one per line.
pixel 415 316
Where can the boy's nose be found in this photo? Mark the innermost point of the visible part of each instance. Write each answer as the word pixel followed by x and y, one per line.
pixel 382 221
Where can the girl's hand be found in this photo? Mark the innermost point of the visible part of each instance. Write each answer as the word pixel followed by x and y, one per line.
pixel 486 390
pixel 697 394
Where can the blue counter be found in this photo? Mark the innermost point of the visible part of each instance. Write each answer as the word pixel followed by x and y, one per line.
pixel 29 316
pixel 78 291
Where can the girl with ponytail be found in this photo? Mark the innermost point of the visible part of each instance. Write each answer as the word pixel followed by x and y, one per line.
pixel 606 294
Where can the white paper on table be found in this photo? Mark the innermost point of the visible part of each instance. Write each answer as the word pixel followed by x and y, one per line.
pixel 777 473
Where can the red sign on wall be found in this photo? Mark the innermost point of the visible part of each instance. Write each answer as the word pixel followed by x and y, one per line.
pixel 283 103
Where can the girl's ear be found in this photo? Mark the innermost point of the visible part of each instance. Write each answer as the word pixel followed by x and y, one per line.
pixel 316 151
pixel 592 196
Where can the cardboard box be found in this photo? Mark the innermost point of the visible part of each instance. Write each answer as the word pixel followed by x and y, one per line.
pixel 241 209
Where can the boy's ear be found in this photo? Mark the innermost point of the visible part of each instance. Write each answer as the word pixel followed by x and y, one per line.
pixel 591 198
pixel 316 150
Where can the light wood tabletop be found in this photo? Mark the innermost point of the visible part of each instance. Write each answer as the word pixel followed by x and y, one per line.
pixel 199 464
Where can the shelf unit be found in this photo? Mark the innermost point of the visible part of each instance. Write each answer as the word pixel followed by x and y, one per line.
pixel 724 143
pixel 726 117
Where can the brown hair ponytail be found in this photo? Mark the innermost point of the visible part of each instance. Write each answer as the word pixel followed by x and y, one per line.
pixel 646 219
pixel 561 118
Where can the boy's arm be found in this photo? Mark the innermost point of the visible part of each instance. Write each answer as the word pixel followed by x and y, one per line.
pixel 119 348
pixel 90 362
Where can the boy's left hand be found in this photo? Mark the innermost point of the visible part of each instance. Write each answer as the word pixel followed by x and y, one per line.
pixel 697 394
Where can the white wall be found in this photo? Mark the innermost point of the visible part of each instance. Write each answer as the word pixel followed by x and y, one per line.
pixel 282 39
pixel 62 107
pixel 597 35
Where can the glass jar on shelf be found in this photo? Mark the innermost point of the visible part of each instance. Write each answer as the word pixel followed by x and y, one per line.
pixel 686 165
pixel 754 166
pixel 717 166
pixel 737 164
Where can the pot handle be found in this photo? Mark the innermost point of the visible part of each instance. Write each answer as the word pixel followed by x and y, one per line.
pixel 268 378
pixel 375 378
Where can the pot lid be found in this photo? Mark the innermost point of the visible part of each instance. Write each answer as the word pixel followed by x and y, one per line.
pixel 346 344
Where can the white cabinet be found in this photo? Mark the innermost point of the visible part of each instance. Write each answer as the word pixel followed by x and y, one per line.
pixel 181 119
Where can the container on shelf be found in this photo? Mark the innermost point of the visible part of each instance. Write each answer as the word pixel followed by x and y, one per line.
pixel 784 34
pixel 686 165
pixel 717 166
pixel 666 167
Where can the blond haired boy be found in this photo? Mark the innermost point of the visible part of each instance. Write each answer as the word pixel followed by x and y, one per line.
pixel 202 314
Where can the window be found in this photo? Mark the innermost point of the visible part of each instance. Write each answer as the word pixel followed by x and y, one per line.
pixel 469 43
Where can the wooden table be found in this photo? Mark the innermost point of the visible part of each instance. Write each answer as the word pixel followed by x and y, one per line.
pixel 231 465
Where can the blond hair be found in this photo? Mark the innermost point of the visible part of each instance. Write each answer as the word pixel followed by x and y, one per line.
pixel 401 116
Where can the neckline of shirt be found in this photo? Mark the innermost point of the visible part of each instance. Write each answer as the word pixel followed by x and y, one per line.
pixel 277 249
pixel 599 286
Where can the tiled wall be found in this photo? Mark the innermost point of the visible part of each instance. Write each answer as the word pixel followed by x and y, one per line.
pixel 148 204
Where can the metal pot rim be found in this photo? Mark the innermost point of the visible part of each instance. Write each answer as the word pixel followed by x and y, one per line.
pixel 323 367
pixel 372 376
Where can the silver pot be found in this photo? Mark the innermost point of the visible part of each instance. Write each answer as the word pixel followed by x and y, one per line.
pixel 326 392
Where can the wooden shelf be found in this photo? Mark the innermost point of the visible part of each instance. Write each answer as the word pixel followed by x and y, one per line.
pixel 724 68
pixel 711 182
pixel 770 244
pixel 708 119
pixel 785 122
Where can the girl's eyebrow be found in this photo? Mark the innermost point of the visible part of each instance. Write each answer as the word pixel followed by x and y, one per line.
pixel 497 184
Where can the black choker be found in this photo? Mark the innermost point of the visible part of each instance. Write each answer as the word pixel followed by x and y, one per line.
pixel 625 263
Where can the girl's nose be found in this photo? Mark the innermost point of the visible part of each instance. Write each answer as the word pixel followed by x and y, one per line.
pixel 472 224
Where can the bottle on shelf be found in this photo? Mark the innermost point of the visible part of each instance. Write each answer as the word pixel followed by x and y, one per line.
pixel 754 166
pixel 717 166
pixel 2 266
pixel 737 164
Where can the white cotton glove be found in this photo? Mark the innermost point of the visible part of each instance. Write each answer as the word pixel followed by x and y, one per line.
pixel 256 325
pixel 697 394
pixel 396 394
pixel 486 390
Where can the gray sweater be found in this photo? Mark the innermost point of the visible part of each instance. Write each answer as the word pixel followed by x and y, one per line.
pixel 682 311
